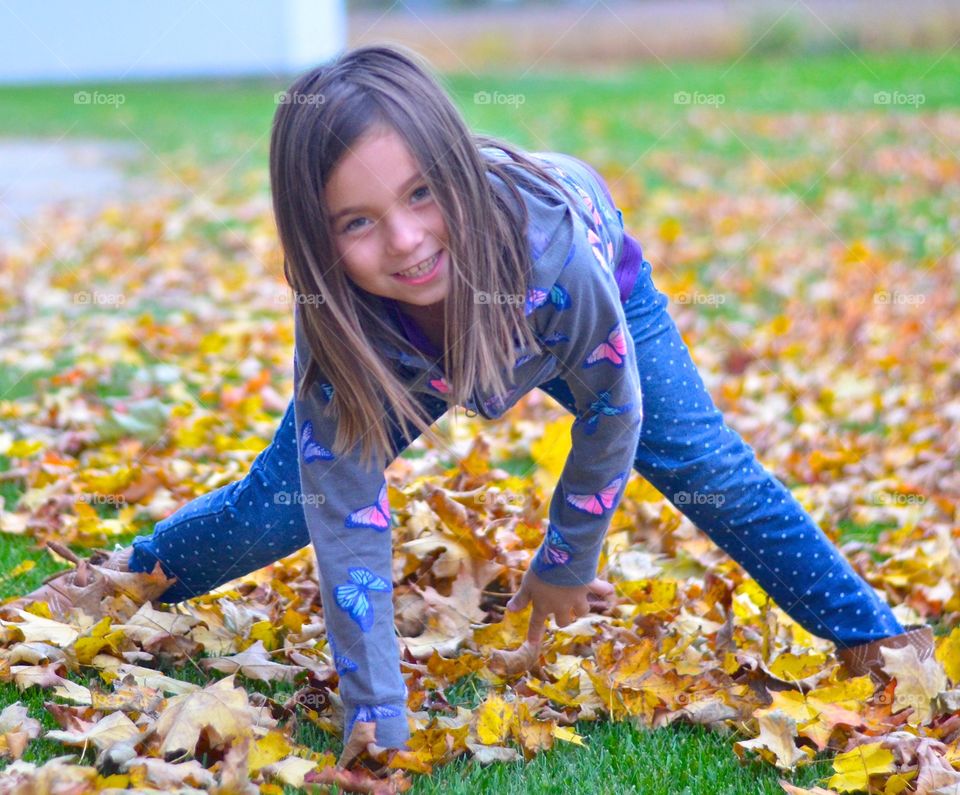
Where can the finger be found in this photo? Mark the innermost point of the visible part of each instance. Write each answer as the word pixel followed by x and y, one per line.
pixel 601 587
pixel 535 627
pixel 563 617
pixel 581 608
pixel 519 601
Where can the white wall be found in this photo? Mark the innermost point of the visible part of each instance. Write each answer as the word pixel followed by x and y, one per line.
pixel 66 41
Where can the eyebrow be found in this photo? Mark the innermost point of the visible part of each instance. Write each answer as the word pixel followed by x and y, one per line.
pixel 403 187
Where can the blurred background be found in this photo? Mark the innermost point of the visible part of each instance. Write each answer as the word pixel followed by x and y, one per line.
pixel 791 169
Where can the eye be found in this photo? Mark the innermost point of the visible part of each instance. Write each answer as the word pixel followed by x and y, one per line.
pixel 421 188
pixel 350 227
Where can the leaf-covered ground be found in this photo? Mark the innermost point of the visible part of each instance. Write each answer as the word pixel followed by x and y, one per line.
pixel 146 360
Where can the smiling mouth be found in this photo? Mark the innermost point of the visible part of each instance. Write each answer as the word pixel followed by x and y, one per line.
pixel 419 270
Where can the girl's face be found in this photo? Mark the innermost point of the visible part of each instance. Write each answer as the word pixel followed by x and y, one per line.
pixel 386 221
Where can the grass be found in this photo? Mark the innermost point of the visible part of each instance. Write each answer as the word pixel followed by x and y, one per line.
pixel 180 122
pixel 175 124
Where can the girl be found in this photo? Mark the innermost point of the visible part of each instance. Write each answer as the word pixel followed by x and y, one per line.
pixel 434 268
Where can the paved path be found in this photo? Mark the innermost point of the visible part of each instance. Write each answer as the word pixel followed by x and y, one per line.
pixel 79 174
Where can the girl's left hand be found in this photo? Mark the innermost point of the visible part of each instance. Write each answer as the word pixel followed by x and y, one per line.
pixel 566 603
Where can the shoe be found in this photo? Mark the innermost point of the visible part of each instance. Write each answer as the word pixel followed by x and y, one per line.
pixel 866 658
pixel 85 587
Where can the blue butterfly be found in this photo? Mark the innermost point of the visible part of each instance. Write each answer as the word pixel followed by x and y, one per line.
pixel 376 516
pixel 344 665
pixel 538 296
pixel 522 360
pixel 600 408
pixel 310 448
pixel 557 336
pixel 353 597
pixel 556 550
pixel 365 713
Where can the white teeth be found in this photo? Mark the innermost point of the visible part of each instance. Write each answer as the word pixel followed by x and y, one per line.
pixel 419 270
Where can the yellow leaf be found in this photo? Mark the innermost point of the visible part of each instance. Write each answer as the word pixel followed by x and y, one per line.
pixel 493 720
pixel 948 654
pixel 265 631
pixel 651 595
pixel 797 666
pixel 670 230
pixel 855 767
pixel 567 735
pixel 551 449
pixel 268 749
pixel 23 448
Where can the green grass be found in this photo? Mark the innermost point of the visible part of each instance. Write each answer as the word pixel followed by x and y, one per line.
pixel 176 124
pixel 180 122
pixel 616 757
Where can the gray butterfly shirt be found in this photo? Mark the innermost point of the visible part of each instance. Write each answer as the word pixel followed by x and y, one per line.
pixel 574 305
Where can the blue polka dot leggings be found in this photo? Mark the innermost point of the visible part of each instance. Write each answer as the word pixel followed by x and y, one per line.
pixel 686 451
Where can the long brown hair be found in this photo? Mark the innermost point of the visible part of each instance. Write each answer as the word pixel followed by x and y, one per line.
pixel 323 113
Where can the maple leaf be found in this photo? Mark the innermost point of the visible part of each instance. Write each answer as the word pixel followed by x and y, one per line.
pixel 220 709
pixel 115 727
pixel 778 733
pixel 918 683
pixel 17 728
pixel 254 662
pixel 854 768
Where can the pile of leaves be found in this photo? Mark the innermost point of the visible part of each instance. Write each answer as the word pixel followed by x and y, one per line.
pixel 158 341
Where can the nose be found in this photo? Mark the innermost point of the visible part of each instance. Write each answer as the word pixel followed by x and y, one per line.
pixel 405 233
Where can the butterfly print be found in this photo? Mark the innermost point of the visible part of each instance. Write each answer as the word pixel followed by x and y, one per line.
pixel 364 712
pixel 556 550
pixel 596 246
pixel 440 384
pixel 613 349
pixel 522 360
pixel 376 516
pixel 597 503
pixel 557 336
pixel 310 448
pixel 538 296
pixel 353 597
pixel 344 665
pixel 600 408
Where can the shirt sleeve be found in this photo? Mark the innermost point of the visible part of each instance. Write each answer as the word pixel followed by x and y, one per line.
pixel 347 513
pixel 584 325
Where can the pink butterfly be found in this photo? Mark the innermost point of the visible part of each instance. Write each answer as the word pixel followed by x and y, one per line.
pixel 613 349
pixel 310 448
pixel 597 503
pixel 556 551
pixel 596 245
pixel 376 516
pixel 440 384
pixel 589 202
